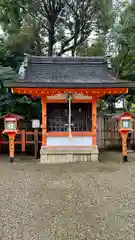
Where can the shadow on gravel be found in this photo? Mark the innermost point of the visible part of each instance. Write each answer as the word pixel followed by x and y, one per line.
pixel 108 162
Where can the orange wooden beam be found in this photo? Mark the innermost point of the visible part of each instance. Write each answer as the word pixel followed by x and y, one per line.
pixel 66 134
pixel 99 92
pixel 65 101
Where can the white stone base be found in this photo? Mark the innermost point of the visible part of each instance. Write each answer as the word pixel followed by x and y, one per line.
pixel 66 156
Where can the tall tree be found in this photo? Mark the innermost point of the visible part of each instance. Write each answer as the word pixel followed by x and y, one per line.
pixel 51 27
pixel 123 35
pixel 62 25
pixel 122 47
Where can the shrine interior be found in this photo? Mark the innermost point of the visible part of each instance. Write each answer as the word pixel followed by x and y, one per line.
pixel 57 117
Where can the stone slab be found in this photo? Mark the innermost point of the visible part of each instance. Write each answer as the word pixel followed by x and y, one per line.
pixel 68 155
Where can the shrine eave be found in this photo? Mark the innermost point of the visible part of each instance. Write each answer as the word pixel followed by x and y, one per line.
pixel 96 92
pixel 118 84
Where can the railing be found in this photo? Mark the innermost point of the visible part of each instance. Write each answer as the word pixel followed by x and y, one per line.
pixel 108 135
pixel 23 138
pixel 60 126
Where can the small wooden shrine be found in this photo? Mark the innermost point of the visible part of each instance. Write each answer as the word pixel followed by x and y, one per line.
pixel 69 89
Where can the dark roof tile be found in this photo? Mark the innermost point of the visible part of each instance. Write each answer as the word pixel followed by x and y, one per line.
pixel 58 69
pixel 44 71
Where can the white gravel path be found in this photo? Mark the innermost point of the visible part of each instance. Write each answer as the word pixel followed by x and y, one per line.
pixel 83 201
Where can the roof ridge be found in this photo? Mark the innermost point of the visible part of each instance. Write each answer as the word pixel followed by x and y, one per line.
pixel 66 57
pixel 67 60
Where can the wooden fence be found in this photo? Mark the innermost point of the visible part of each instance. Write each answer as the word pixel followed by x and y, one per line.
pixel 25 141
pixel 107 137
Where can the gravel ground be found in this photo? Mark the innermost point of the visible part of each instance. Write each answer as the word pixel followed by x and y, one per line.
pixel 67 201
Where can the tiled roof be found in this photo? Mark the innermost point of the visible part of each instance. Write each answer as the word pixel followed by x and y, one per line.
pixel 41 71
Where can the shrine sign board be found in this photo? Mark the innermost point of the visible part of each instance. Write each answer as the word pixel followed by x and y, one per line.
pixel 126 123
pixel 35 123
pixel 10 124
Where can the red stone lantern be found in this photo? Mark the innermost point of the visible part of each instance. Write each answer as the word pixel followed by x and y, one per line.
pixel 11 129
pixel 125 126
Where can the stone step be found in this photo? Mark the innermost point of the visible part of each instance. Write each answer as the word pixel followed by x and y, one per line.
pixel 65 155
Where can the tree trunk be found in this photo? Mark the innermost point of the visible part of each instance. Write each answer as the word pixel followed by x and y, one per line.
pixel 38 47
pixel 51 34
pixel 77 28
pixel 73 52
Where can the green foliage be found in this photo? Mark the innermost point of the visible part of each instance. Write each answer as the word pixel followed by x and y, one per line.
pixel 125 42
pixel 38 27
pixel 56 27
pixel 13 103
pixel 6 73
pixel 121 45
pixel 96 49
pixel 124 38
pixel 105 15
pixel 51 27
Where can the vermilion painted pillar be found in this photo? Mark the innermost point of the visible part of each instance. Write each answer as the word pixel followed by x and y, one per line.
pixel 94 122
pixel 23 140
pixel 124 136
pixel 11 145
pixel 44 121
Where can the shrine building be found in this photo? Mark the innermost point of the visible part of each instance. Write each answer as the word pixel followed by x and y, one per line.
pixel 69 89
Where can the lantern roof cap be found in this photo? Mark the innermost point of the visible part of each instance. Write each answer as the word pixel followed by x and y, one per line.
pixel 18 117
pixel 124 114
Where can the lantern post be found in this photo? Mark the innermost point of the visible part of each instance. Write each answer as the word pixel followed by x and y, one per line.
pixel 125 126
pixel 36 126
pixel 10 128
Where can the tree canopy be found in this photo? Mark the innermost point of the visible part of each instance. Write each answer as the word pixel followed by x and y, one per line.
pixel 57 27
pixel 52 27
pixel 124 37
